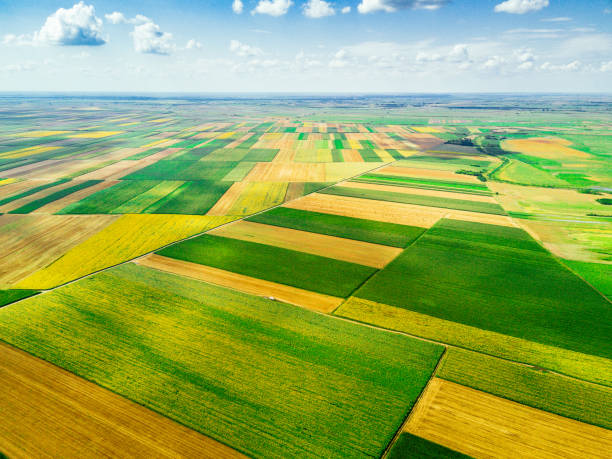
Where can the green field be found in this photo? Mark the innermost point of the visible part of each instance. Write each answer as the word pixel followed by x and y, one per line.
pixel 195 198
pixel 494 278
pixel 405 198
pixel 31 191
pixel 184 170
pixel 390 234
pixel 409 446
pixel 107 200
pixel 572 398
pixel 38 203
pixel 269 379
pixel 275 264
pixel 599 275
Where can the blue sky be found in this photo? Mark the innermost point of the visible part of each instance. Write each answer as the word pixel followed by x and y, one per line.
pixel 306 45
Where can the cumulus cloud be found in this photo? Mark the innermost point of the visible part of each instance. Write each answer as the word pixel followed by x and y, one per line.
pixel 272 7
pixel 149 39
pixel 19 40
pixel 74 26
pixel 389 6
pixel 520 6
pixel 569 67
pixel 237 6
pixel 193 44
pixel 346 9
pixel 244 50
pixel 318 9
pixel 116 18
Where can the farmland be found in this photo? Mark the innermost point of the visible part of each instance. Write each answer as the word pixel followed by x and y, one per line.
pixel 323 277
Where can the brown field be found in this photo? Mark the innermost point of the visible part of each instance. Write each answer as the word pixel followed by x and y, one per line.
pixel 11 189
pixel 544 147
pixel 28 242
pixel 384 211
pixel 49 412
pixel 483 425
pixel 292 295
pixel 427 173
pixel 294 190
pixel 363 253
pixel 58 205
pixel 34 170
pixel 420 191
pixel 423 141
pixel 352 156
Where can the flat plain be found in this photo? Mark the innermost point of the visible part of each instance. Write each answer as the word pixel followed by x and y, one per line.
pixel 281 277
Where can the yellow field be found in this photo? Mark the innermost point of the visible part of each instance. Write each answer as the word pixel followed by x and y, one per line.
pixel 256 196
pixel 29 243
pixel 37 134
pixel 27 151
pixel 126 238
pixel 384 211
pixel 363 253
pixel 429 129
pixel 286 172
pixel 292 295
pixel 7 181
pixel 544 147
pixel 483 425
pixel 94 134
pixel 583 366
pixel 76 418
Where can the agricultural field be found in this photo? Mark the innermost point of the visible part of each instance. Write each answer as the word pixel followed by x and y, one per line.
pixel 388 277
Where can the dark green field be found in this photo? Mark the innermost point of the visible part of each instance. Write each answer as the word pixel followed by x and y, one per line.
pixel 376 232
pixel 9 296
pixel 474 274
pixel 409 446
pixel 298 269
pixel 194 198
pixel 38 203
pixel 423 183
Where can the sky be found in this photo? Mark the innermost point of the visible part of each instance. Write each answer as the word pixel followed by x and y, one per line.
pixel 314 46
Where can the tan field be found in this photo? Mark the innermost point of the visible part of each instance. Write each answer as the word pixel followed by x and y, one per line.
pixel 294 190
pixel 384 211
pixel 292 295
pixel 285 155
pixel 544 147
pixel 58 205
pixel 28 242
pixel 352 156
pixel 229 198
pixel 423 141
pixel 420 191
pixel 49 412
pixel 490 219
pixel 427 173
pixel 287 172
pixel 484 426
pixel 11 189
pixel 363 253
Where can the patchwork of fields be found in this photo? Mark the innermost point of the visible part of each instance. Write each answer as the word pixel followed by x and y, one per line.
pixel 176 281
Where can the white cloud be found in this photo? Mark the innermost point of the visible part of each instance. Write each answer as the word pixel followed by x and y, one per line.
pixel 559 19
pixel 244 50
pixel 569 67
pixel 149 39
pixel 116 18
pixel 318 9
pixel 78 25
pixel 237 6
pixel 520 6
pixel 606 66
pixel 346 9
pixel 19 40
pixel 272 7
pixel 193 44
pixel 389 6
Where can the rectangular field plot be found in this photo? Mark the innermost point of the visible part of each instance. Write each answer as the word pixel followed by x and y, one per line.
pixel 359 229
pixel 417 199
pixel 184 170
pixel 85 417
pixel 363 253
pixel 498 279
pixel 297 269
pixel 269 379
pixel 429 183
pixel 482 425
pixel 411 446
